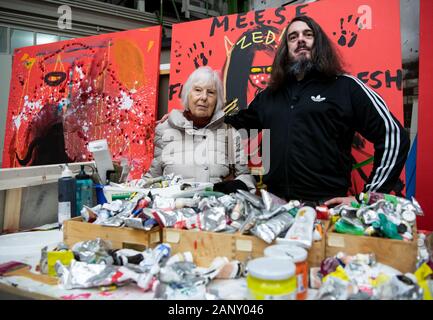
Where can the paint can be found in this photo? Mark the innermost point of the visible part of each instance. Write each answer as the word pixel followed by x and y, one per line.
pixel 271 278
pixel 298 256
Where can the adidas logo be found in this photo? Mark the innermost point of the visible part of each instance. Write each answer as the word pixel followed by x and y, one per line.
pixel 318 98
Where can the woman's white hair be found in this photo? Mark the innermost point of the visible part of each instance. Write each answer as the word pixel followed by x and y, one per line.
pixel 203 76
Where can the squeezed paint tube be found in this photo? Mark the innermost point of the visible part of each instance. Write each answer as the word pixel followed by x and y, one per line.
pixel 93 251
pixel 213 219
pixel 181 280
pixel 269 231
pixel 140 223
pixel 85 275
pixel 252 198
pixel 251 218
pixel 178 257
pixel 188 219
pixel 238 210
pixel 271 201
pixel 149 182
pixel 333 289
pixel 163 203
pixel 186 202
pixel 227 201
pixel 166 218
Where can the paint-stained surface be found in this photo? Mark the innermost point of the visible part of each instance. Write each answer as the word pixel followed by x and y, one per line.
pixel 242 47
pixel 68 93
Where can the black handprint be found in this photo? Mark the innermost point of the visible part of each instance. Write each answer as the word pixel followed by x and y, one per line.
pixel 178 55
pixel 200 58
pixel 350 35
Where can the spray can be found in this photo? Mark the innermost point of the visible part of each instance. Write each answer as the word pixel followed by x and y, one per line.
pixel 84 194
pixel 66 195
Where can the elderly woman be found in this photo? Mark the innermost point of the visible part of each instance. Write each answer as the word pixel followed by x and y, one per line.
pixel 196 143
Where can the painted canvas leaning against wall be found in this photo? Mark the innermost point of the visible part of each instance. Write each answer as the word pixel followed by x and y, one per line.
pixel 65 94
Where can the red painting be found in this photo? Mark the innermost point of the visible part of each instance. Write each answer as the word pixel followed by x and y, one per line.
pixel 242 47
pixel 68 93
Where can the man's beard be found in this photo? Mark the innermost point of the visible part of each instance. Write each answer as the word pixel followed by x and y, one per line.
pixel 300 67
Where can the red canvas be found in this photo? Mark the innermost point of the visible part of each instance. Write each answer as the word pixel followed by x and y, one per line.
pixel 68 93
pixel 242 47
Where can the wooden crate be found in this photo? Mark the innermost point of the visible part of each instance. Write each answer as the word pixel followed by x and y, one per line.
pixel 206 246
pixel 76 230
pixel 399 254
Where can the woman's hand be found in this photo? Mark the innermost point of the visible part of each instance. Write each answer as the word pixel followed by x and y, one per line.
pixel 164 117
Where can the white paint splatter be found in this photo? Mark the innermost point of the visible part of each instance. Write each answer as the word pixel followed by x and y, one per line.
pixel 80 72
pixel 126 102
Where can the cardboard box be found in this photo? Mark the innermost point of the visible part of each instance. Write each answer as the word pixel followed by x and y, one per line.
pixel 76 230
pixel 399 254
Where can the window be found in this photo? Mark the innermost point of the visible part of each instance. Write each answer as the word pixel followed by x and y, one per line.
pixel 42 38
pixel 20 38
pixel 65 38
pixel 3 40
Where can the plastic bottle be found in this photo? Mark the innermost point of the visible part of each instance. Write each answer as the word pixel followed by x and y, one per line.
pixel 84 194
pixel 66 195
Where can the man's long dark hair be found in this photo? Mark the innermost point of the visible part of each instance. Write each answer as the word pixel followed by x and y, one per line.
pixel 325 57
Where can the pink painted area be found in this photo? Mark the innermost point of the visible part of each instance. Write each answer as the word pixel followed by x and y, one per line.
pixel 424 164
pixel 77 296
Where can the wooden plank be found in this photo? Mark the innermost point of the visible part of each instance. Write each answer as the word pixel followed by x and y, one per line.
pixel 399 254
pixel 75 230
pixel 12 210
pixel 11 178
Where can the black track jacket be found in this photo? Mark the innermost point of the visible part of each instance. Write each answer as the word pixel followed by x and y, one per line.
pixel 312 124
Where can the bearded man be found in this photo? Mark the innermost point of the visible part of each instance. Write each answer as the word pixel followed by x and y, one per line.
pixel 313 109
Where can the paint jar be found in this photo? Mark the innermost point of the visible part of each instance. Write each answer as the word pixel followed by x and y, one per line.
pixel 271 278
pixel 298 256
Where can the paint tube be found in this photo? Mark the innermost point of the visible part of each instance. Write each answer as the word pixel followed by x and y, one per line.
pixel 85 275
pixel 238 210
pixel 180 256
pixel 163 203
pixel 88 214
pixel 333 289
pixel 93 251
pixel 252 198
pixel 186 202
pixel 271 201
pixel 269 231
pixel 399 287
pixel 188 219
pixel 301 231
pixel 213 219
pixel 140 223
pixel 291 207
pixel 228 202
pixel 250 220
pixel 166 218
pixel 43 262
pixel 149 183
pixel 181 280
